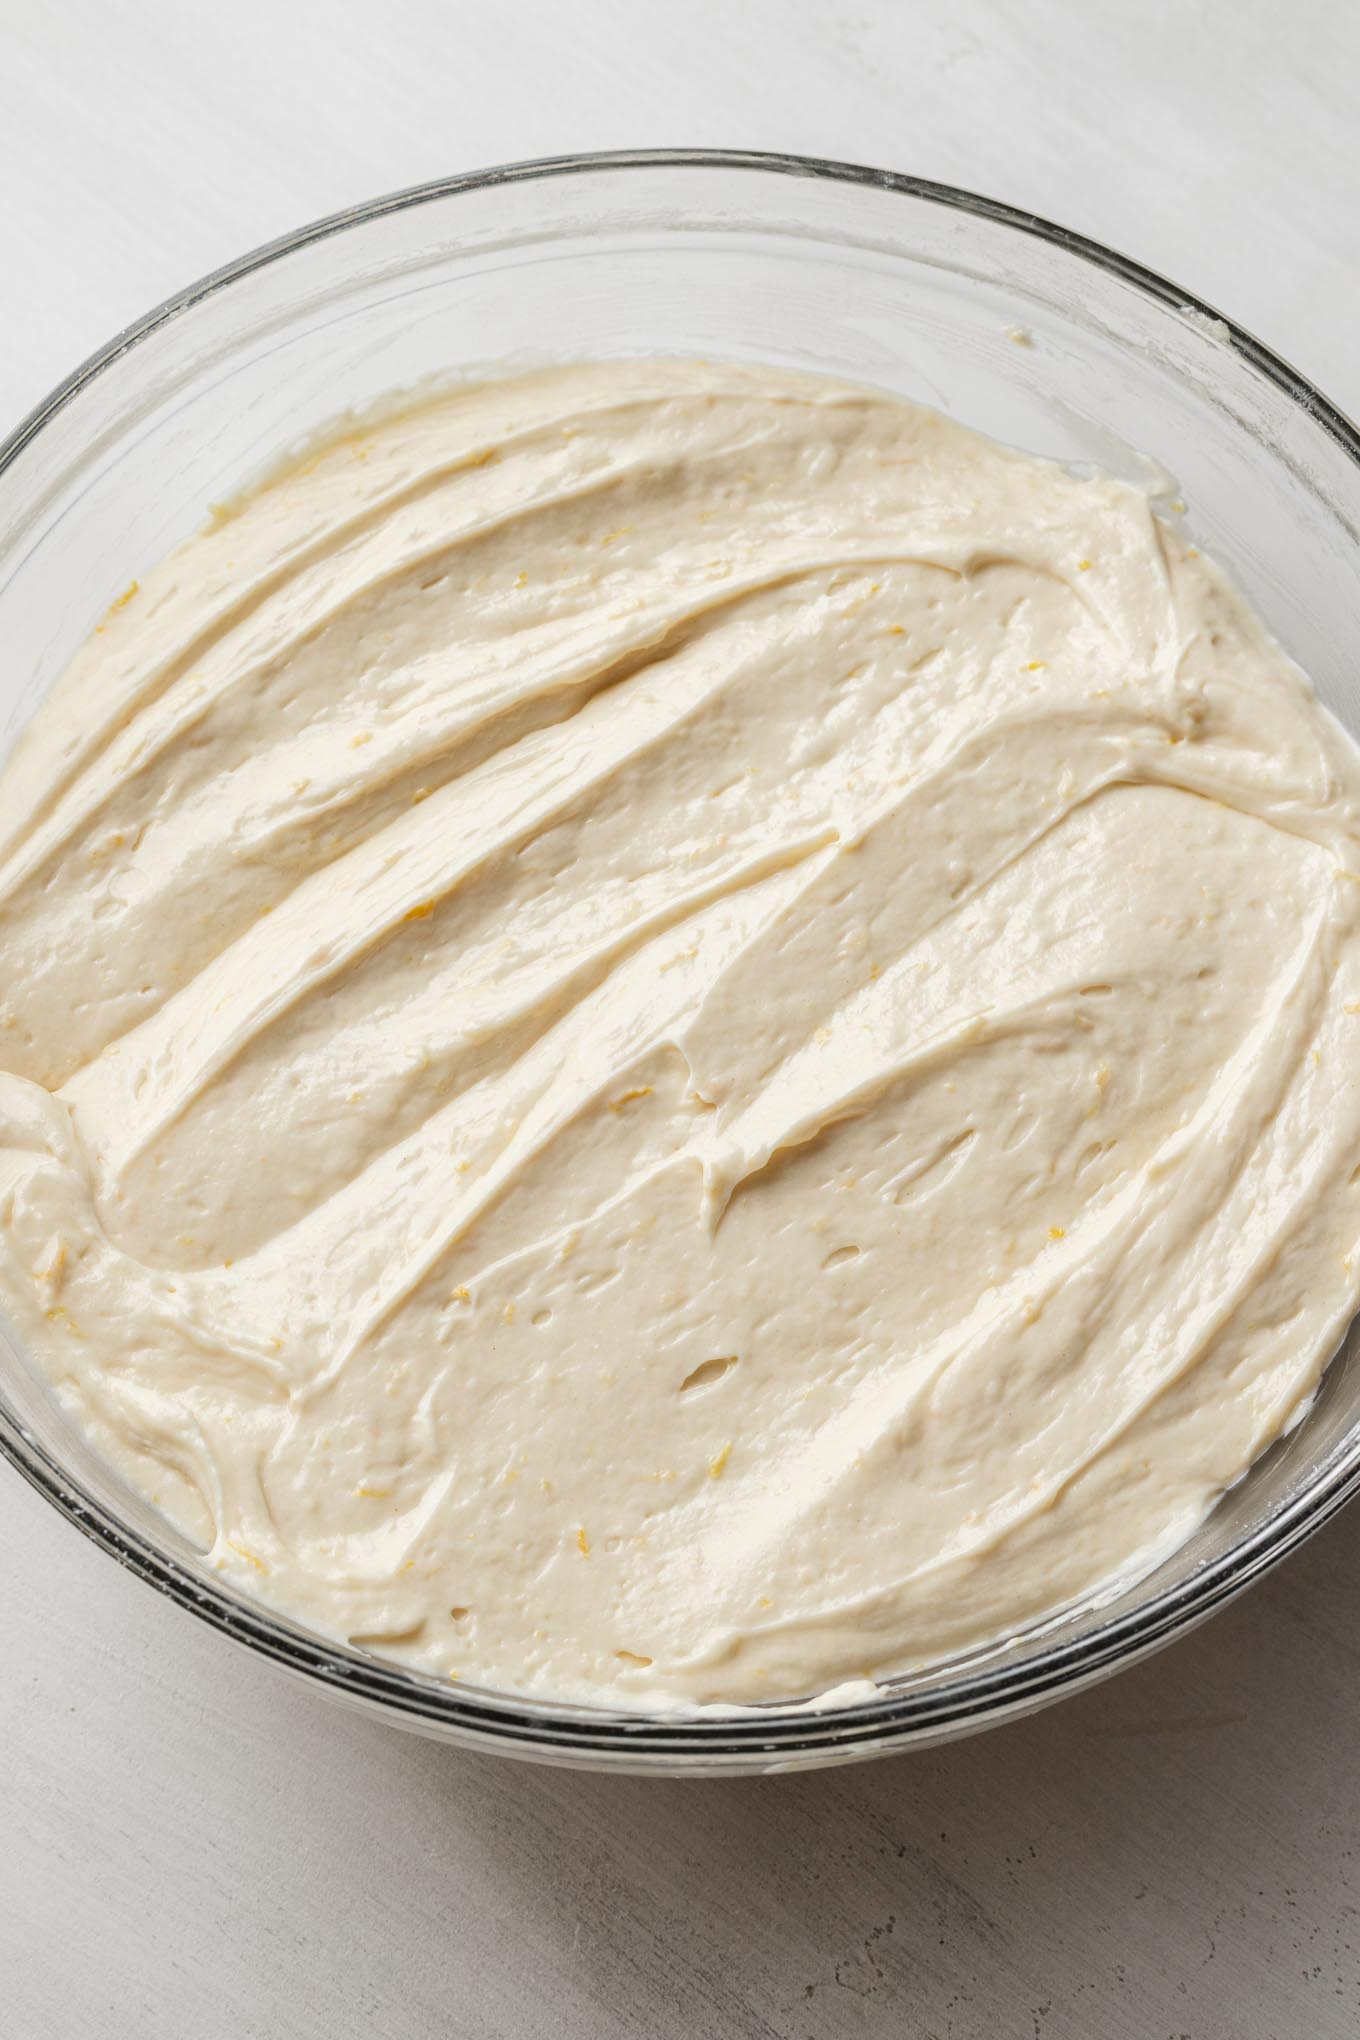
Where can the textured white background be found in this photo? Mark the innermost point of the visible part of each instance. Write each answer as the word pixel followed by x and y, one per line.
pixel 188 1846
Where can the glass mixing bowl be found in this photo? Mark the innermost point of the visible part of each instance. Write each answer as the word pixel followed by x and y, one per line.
pixel 1012 325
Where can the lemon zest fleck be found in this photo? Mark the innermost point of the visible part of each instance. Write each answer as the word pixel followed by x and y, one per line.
pixel 54 1267
pixel 639 1091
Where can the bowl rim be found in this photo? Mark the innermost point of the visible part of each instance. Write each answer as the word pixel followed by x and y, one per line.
pixel 683 1740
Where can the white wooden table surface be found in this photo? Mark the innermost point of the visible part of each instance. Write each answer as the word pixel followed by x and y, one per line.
pixel 189 1846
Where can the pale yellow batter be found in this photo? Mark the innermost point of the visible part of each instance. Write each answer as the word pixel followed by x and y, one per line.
pixel 673 1033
